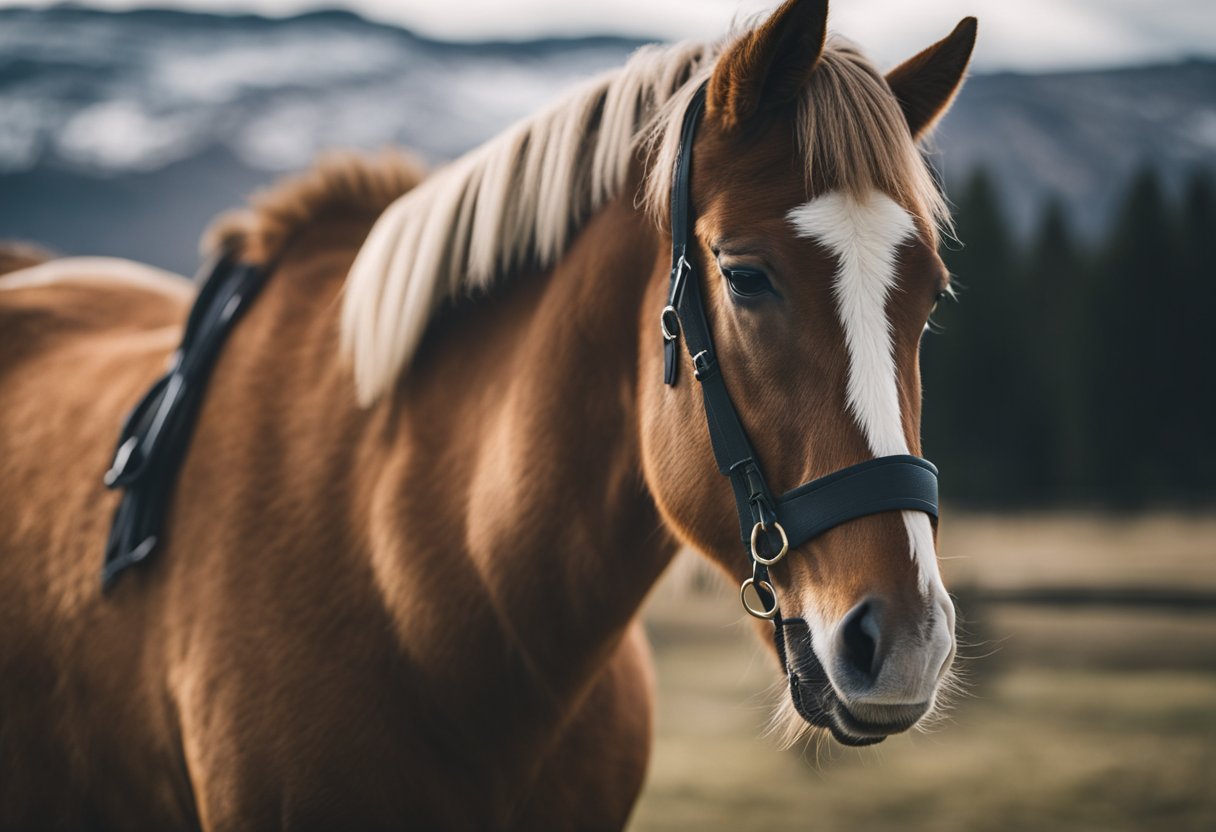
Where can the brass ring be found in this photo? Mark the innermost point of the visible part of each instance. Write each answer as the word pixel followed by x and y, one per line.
pixel 668 335
pixel 767 615
pixel 785 544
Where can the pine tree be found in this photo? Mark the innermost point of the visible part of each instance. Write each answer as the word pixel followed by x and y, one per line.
pixel 1189 444
pixel 970 420
pixel 1056 282
pixel 1133 366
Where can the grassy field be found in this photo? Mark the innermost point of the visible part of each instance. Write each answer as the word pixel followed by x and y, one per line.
pixel 1095 717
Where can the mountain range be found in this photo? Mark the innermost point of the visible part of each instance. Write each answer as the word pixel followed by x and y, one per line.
pixel 124 133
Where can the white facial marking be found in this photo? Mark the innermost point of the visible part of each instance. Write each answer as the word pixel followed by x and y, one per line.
pixel 864 236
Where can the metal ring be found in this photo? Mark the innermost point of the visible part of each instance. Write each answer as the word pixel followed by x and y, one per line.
pixel 767 615
pixel 785 543
pixel 668 335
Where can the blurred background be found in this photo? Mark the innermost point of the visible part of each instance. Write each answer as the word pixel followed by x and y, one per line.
pixel 1070 394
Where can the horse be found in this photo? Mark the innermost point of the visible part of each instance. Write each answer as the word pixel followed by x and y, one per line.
pixel 436 469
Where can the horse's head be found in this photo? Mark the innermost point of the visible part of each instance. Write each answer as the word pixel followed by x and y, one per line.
pixel 814 242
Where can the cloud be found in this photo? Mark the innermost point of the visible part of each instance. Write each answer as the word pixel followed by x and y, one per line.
pixel 1038 34
pixel 1014 34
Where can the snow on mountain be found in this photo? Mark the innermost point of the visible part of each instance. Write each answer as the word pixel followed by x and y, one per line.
pixel 132 112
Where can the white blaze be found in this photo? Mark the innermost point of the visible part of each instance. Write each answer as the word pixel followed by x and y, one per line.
pixel 864 235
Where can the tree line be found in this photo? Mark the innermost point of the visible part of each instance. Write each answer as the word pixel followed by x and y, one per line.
pixel 1074 373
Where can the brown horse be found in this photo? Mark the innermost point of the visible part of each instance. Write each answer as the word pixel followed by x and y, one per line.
pixel 437 471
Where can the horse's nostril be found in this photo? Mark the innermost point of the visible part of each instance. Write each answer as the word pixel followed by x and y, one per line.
pixel 860 639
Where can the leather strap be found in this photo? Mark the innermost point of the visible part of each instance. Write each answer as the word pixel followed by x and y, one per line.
pixel 157 431
pixel 888 483
pixel 733 452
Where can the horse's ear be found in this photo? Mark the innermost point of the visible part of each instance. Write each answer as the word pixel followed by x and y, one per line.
pixel 926 84
pixel 768 67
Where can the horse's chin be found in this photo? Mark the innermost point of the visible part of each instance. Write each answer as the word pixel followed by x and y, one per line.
pixel 847 730
pixel 819 706
pixel 855 742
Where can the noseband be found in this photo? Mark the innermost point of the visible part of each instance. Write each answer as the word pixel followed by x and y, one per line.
pixel 768 527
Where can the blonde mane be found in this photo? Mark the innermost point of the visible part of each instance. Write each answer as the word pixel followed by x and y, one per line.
pixel 517 200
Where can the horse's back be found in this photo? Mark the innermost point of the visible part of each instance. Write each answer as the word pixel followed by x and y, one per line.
pixel 88 294
pixel 15 256
pixel 71 329
pixel 79 340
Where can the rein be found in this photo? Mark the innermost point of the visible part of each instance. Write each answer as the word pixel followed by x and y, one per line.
pixel 157 431
pixel 768 527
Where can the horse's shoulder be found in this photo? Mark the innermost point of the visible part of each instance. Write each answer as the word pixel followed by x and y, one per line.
pixel 616 719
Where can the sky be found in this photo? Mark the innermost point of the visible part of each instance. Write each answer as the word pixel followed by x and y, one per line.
pixel 1026 35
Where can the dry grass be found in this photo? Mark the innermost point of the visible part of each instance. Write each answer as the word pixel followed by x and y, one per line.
pixel 1079 719
pixel 1158 550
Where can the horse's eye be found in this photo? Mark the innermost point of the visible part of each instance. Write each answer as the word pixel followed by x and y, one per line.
pixel 930 326
pixel 748 283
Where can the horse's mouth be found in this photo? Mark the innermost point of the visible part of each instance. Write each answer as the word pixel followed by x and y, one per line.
pixel 861 732
pixel 818 703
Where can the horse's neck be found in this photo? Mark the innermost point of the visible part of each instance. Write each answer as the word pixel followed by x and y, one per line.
pixel 511 507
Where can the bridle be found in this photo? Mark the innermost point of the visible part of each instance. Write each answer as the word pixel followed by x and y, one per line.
pixel 890 483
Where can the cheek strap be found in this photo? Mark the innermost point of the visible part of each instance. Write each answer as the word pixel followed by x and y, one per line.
pixel 768 527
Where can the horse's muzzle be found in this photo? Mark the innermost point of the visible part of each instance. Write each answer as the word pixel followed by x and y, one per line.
pixel 853 723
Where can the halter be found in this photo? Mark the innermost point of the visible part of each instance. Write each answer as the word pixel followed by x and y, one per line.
pixel 768 527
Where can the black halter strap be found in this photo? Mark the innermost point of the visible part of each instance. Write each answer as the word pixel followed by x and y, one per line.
pixel 890 483
pixel 157 431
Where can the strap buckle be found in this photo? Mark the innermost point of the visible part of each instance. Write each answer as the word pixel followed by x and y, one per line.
pixel 669 322
pixel 704 365
pixel 679 276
